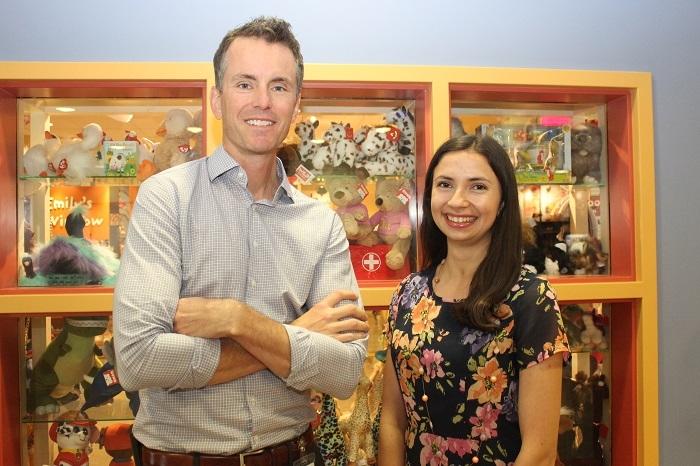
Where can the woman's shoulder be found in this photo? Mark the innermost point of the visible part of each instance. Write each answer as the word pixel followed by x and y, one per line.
pixel 529 287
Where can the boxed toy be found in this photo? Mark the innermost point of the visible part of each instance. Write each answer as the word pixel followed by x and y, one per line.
pixel 121 157
pixel 540 152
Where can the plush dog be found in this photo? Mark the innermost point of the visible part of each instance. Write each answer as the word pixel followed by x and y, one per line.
pixel 73 432
pixel 381 156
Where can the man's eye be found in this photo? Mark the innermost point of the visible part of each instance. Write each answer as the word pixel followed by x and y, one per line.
pixel 244 86
pixel 279 88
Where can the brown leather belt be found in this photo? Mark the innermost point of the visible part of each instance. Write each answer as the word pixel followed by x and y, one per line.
pixel 282 454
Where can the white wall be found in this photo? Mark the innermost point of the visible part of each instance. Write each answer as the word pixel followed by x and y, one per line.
pixel 641 35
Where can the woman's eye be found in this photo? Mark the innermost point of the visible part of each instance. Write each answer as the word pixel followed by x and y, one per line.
pixel 480 187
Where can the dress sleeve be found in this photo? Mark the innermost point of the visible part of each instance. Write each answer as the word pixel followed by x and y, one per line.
pixel 539 329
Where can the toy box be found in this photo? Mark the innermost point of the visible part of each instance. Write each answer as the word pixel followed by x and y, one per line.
pixel 540 153
pixel 369 263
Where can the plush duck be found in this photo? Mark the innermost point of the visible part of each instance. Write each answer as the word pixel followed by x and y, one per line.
pixel 36 159
pixel 77 160
pixel 175 147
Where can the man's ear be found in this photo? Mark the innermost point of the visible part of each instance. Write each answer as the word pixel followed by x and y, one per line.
pixel 215 102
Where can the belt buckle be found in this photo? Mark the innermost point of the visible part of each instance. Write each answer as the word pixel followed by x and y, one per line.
pixel 241 456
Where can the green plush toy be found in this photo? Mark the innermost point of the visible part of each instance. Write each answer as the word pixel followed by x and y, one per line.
pixel 61 369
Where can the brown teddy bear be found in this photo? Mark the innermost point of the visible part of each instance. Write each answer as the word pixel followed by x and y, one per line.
pixel 345 193
pixel 392 220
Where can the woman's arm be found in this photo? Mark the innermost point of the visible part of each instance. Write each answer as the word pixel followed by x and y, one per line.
pixel 392 425
pixel 539 401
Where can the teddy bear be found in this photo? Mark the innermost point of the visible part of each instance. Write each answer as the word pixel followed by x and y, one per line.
pixel 73 432
pixel 175 147
pixel 586 146
pixel 392 220
pixel 345 194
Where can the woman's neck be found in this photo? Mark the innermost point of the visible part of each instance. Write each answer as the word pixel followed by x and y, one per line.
pixel 454 274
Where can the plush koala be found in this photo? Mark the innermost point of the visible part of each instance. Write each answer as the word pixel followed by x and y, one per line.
pixel 586 146
pixel 392 220
pixel 344 193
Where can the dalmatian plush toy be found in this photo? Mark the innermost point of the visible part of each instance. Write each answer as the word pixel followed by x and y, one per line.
pixel 381 156
pixel 406 122
pixel 307 148
pixel 338 150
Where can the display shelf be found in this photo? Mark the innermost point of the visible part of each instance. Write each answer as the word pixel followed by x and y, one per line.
pixel 629 289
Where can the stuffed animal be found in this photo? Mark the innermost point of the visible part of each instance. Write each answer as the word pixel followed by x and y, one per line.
pixel 338 150
pixel 77 160
pixel 404 120
pixel 380 154
pixel 36 159
pixel 197 133
pixel 73 432
pixel 62 367
pixel 456 127
pixel 392 220
pixel 104 386
pixel 328 436
pixel 75 257
pixel 175 147
pixel 116 440
pixel 586 147
pixel 592 337
pixel 345 194
pixel 290 157
pixel 307 147
pixel 357 426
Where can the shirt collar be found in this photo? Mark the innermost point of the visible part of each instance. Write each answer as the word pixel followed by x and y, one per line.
pixel 219 162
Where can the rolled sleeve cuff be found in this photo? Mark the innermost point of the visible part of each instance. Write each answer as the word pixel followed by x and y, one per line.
pixel 304 365
pixel 205 360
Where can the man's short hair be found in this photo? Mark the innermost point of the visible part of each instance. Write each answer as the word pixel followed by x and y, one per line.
pixel 271 29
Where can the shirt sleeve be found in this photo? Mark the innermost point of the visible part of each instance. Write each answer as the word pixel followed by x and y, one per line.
pixel 149 354
pixel 319 361
pixel 539 329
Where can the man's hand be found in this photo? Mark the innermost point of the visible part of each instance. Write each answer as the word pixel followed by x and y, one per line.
pixel 345 323
pixel 206 318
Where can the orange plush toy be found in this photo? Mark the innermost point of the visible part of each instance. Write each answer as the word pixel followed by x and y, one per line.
pixel 116 440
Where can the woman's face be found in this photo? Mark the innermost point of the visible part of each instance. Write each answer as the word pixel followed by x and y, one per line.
pixel 466 198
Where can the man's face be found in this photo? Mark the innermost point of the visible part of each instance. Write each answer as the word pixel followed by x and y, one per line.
pixel 258 97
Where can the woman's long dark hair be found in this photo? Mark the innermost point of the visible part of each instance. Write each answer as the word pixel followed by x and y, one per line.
pixel 500 269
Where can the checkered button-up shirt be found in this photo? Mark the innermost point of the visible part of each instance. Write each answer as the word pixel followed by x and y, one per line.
pixel 195 230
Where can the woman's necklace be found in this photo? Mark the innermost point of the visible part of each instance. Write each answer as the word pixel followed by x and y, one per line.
pixel 438 277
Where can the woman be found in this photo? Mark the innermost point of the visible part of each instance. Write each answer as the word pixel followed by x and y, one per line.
pixel 476 342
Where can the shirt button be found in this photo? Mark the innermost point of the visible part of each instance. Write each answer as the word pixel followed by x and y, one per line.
pixel 424 398
pixel 253 282
pixel 475 459
pixel 482 437
pixel 421 371
pixel 255 244
pixel 420 344
pixel 496 351
pixel 493 378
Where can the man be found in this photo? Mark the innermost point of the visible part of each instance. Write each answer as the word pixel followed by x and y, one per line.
pixel 232 299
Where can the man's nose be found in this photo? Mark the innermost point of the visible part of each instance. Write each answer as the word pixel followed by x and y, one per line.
pixel 262 97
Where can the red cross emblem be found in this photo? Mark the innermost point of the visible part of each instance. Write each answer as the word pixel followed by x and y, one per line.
pixel 371 262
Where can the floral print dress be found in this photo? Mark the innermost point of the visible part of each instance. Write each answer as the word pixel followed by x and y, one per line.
pixel 460 385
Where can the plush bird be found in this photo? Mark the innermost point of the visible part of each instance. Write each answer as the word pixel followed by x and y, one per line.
pixel 175 147
pixel 36 159
pixel 77 160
